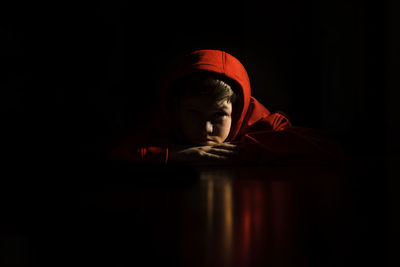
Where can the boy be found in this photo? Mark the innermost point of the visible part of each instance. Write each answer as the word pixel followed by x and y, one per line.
pixel 209 116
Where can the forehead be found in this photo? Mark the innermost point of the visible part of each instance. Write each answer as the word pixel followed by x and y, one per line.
pixel 205 102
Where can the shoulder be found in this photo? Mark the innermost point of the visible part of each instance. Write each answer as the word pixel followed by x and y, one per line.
pixel 260 118
pixel 279 121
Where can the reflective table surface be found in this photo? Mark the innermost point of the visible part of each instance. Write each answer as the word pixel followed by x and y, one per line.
pixel 157 215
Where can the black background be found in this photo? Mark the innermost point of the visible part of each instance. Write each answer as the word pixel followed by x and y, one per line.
pixel 74 74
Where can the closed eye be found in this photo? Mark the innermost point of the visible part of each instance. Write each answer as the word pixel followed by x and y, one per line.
pixel 220 114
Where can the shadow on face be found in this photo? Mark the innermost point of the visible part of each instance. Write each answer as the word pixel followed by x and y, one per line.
pixel 204 120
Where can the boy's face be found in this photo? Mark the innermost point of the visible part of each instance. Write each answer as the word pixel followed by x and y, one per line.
pixel 203 120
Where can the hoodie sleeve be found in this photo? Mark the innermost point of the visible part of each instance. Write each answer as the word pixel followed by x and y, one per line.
pixel 137 146
pixel 273 139
pixel 129 153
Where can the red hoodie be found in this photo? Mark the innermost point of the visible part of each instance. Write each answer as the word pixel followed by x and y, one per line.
pixel 263 136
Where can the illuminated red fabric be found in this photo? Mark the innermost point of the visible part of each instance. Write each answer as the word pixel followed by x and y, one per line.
pixel 262 135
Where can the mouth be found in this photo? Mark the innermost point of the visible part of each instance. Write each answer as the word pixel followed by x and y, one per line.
pixel 207 142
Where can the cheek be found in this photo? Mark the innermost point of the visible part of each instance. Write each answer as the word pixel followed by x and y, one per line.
pixel 187 124
pixel 224 129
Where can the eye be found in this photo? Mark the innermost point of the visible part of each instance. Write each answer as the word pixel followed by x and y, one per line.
pixel 220 114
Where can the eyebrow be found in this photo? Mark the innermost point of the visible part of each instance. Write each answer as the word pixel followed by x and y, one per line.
pixel 215 107
pixel 221 108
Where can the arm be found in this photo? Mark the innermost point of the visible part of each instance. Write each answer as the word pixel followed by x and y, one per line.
pixel 130 152
pixel 216 154
pixel 290 145
pixel 144 146
pixel 174 153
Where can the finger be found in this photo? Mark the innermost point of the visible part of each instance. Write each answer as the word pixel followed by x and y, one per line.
pixel 222 151
pixel 226 146
pixel 215 156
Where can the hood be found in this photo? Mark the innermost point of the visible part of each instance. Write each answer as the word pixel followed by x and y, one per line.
pixel 218 62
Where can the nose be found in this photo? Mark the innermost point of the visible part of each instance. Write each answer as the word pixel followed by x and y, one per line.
pixel 209 127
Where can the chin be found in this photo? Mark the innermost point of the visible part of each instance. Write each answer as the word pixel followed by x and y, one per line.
pixel 209 143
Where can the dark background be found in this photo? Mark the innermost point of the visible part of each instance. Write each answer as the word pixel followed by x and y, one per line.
pixel 74 74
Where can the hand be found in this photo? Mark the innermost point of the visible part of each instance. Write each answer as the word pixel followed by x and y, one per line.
pixel 219 153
